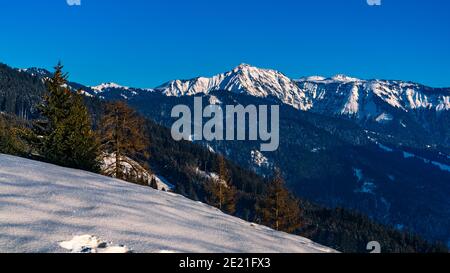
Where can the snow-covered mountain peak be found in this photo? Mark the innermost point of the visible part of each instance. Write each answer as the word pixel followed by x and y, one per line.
pixel 247 68
pixel 344 78
pixel 339 78
pixel 244 79
pixel 311 79
pixel 110 85
pixel 243 66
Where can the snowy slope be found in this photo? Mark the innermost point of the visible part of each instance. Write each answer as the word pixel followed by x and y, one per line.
pixel 43 206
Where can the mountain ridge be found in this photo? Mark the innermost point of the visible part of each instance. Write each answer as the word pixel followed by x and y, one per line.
pixel 376 105
pixel 340 94
pixel 314 92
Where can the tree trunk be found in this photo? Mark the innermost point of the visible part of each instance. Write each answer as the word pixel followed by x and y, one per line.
pixel 118 174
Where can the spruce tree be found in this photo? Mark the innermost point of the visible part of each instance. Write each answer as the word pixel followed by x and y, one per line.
pixel 68 139
pixel 82 141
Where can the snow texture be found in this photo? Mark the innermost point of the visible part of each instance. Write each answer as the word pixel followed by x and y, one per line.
pixel 42 206
pixel 106 86
pixel 91 244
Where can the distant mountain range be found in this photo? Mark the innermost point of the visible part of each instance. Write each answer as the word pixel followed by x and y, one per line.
pixel 381 147
pixel 408 109
pixel 386 105
pixel 339 95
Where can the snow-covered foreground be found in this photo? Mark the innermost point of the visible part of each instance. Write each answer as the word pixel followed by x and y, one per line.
pixel 43 208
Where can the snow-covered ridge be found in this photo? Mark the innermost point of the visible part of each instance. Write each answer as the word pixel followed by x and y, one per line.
pixel 338 95
pixel 341 94
pixel 369 98
pixel 312 79
pixel 344 78
pixel 111 85
pixel 44 206
pixel 243 79
pixel 113 89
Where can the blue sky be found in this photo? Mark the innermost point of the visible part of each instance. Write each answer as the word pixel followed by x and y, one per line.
pixel 147 42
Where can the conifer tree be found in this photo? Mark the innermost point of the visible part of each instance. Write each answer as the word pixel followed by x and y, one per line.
pixel 68 139
pixel 123 135
pixel 82 140
pixel 279 209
